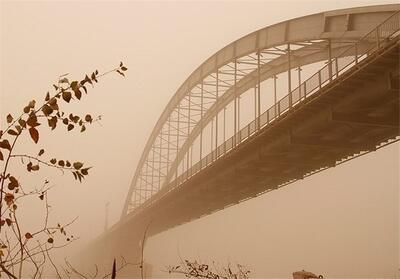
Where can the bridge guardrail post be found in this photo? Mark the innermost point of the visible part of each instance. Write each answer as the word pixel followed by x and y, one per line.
pixel 336 67
pixel 278 104
pixel 319 79
pixel 356 52
pixel 289 76
pixel 377 37
pixel 330 59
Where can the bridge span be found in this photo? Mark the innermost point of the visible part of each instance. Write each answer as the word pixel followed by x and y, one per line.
pixel 275 106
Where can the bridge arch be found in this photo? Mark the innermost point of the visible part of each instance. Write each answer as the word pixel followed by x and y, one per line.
pixel 238 67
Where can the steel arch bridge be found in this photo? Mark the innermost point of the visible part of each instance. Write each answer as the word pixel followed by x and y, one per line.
pixel 273 107
pixel 206 119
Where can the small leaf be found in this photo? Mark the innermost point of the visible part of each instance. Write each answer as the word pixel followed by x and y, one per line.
pixel 61 163
pixel 22 123
pixel 66 95
pixel 50 240
pixel 53 161
pixel 34 134
pixel 87 79
pixel 1 156
pixel 78 165
pixel 28 236
pixel 47 97
pixel 13 183
pixel 35 168
pixel 83 128
pixel 78 94
pixel 74 85
pixel 47 110
pixel 32 104
pixel 12 132
pixel 9 198
pixel 85 171
pixel 53 104
pixel 32 120
pixel 5 144
pixel 9 222
pixel 41 196
pixel 52 101
pixel 27 109
pixel 67 163
pixel 70 127
pixel 64 80
pixel 53 122
pixel 41 152
pixel 88 118
pixel 9 118
pixel 124 68
pixel 80 176
pixel 29 166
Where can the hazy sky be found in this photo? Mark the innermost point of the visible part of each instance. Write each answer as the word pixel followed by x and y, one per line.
pixel 341 222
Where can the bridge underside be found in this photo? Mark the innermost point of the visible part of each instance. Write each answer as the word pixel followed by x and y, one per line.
pixel 357 113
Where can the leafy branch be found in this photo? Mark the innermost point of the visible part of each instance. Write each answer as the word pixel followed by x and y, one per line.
pixel 18 246
pixel 194 269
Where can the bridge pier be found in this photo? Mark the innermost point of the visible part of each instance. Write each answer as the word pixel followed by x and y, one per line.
pixel 124 244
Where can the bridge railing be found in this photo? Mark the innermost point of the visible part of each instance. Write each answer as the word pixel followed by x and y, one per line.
pixel 344 61
pixel 335 67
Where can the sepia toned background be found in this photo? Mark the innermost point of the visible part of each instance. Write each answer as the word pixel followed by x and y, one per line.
pixel 343 222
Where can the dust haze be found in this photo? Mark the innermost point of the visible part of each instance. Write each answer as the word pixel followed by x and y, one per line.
pixel 343 222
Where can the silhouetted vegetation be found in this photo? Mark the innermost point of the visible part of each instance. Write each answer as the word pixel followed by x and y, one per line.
pixel 25 253
pixel 71 272
pixel 194 269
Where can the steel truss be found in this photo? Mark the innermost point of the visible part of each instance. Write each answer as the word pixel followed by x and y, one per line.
pixel 192 131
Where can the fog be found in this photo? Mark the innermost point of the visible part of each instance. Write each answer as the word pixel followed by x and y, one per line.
pixel 343 222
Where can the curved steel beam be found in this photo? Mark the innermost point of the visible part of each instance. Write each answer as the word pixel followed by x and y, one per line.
pixel 275 67
pixel 339 25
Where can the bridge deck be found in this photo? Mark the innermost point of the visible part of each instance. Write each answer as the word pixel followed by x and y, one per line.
pixel 356 113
